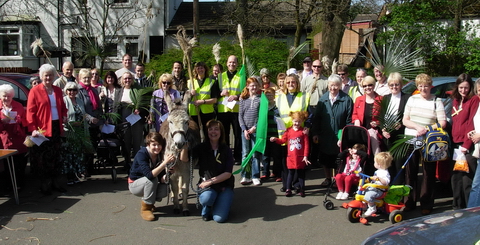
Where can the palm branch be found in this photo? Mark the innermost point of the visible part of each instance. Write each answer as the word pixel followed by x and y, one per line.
pixel 389 119
pixel 294 51
pixel 400 146
pixel 400 56
pixel 112 117
pixel 141 98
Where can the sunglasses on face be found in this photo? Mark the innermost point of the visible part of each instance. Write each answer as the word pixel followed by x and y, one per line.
pixel 367 85
pixel 72 90
pixel 341 74
pixel 394 85
pixel 166 83
pixel 316 66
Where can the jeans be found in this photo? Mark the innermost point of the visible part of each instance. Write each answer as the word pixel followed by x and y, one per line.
pixel 216 203
pixel 149 190
pixel 247 146
pixel 474 199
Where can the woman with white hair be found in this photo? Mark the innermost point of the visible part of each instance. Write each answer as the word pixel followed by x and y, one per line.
pixel 332 113
pixel 46 113
pixel 395 102
pixel 12 131
pixel 93 109
pixel 76 132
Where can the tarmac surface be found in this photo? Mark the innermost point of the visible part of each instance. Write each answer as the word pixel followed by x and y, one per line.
pixel 99 211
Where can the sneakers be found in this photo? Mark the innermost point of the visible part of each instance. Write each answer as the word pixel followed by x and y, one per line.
pixel 288 193
pixel 256 181
pixel 344 196
pixel 339 196
pixel 371 210
pixel 245 181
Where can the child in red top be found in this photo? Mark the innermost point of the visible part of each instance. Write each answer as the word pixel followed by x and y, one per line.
pixel 353 160
pixel 297 151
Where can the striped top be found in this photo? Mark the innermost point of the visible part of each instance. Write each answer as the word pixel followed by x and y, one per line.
pixel 248 114
pixel 423 112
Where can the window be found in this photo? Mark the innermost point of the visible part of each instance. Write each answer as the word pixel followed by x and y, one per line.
pixel 9 42
pixel 131 46
pixel 111 49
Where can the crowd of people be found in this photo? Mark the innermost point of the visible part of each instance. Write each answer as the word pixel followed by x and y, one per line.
pixel 306 111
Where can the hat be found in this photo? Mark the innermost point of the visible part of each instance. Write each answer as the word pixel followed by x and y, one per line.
pixel 307 59
pixel 264 71
pixel 291 71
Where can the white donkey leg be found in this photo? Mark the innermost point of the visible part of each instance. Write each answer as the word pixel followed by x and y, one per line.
pixel 185 181
pixel 174 186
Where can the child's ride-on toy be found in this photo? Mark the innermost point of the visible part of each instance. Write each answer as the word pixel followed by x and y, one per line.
pixel 357 207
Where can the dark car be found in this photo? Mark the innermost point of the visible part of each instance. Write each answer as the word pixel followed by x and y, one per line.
pixel 20 83
pixel 451 227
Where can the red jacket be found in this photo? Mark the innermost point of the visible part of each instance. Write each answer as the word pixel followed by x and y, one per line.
pixel 297 147
pixel 359 109
pixel 13 135
pixel 462 122
pixel 39 113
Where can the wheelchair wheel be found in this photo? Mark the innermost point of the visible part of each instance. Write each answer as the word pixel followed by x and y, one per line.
pixel 328 204
pixel 353 214
pixel 395 216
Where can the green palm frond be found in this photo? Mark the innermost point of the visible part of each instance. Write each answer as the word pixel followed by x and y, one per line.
pixel 400 147
pixel 294 51
pixel 388 118
pixel 141 98
pixel 400 56
pixel 251 71
pixel 112 117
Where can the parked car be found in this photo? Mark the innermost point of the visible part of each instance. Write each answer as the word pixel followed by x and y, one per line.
pixel 451 227
pixel 20 83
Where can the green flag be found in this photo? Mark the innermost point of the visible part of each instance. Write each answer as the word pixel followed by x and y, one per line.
pixel 262 125
pixel 243 77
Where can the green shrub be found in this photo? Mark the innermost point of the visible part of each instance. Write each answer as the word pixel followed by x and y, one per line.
pixel 262 52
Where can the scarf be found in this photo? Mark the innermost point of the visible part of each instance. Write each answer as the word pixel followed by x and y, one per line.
pixel 93 97
pixel 347 165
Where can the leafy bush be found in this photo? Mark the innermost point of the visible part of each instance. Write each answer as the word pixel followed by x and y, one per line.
pixel 262 52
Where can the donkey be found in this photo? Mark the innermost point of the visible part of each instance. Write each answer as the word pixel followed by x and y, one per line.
pixel 177 130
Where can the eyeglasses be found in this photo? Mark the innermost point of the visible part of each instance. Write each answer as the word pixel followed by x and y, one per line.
pixel 72 90
pixel 316 66
pixel 341 74
pixel 166 83
pixel 367 85
pixel 394 85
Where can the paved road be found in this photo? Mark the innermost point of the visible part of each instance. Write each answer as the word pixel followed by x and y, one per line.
pixel 101 212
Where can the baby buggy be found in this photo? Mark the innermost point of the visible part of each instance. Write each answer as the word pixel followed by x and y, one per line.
pixel 109 147
pixel 389 203
pixel 351 135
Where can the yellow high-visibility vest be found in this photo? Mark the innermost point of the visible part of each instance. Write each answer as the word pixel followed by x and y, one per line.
pixel 203 93
pixel 233 88
pixel 300 103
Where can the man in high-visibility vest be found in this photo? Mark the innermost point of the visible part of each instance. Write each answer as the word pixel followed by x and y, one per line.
pixel 229 85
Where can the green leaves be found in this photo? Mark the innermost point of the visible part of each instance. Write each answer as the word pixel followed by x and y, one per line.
pixel 141 98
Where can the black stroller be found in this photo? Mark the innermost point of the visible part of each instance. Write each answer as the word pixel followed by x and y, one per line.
pixel 109 147
pixel 351 135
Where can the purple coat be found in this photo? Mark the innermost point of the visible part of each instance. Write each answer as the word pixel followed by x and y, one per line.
pixel 160 105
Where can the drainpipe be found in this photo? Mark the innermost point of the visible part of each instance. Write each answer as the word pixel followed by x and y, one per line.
pixel 59 31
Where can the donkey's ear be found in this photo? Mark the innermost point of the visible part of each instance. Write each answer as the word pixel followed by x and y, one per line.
pixel 168 100
pixel 186 98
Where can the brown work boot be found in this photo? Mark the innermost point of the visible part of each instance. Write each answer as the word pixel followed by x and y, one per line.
pixel 146 211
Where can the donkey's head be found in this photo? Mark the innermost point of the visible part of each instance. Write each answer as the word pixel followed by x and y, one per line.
pixel 178 120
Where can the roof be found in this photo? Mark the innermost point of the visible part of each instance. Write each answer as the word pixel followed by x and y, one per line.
pixel 212 17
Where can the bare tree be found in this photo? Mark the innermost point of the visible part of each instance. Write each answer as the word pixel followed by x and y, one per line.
pixel 333 20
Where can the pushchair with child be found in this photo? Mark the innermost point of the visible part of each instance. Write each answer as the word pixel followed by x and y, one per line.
pixel 109 147
pixel 350 136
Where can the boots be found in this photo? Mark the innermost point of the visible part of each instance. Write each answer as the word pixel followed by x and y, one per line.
pixel 146 211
